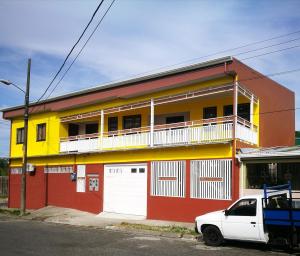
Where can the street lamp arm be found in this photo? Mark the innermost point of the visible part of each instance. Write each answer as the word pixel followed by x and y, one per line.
pixel 18 87
pixel 7 82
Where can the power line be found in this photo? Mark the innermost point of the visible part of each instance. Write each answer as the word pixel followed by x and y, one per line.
pixel 61 67
pixel 268 46
pixel 223 51
pixel 241 80
pixel 78 54
pixel 270 75
pixel 267 53
pixel 80 50
pixel 283 49
pixel 213 54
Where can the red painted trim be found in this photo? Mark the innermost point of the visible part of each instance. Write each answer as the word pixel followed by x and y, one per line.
pixel 125 91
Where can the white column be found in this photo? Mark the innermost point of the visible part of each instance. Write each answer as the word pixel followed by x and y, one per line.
pixel 235 110
pixel 101 128
pixel 251 110
pixel 152 123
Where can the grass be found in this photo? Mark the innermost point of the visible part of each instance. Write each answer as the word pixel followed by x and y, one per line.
pixel 168 229
pixel 14 212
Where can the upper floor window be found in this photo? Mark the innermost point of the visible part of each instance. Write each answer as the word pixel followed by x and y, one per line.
pixel 20 135
pixel 174 119
pixel 91 128
pixel 130 122
pixel 209 112
pixel 73 129
pixel 112 123
pixel 243 110
pixel 41 132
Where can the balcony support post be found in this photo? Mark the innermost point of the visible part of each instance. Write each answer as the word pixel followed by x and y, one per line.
pixel 251 110
pixel 101 128
pixel 235 110
pixel 152 123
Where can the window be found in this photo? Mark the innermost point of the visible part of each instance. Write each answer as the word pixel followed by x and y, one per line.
pixel 73 129
pixel 112 123
pixel 174 119
pixel 228 110
pixel 20 135
pixel 41 132
pixel 91 128
pixel 245 207
pixel 211 179
pixel 272 174
pixel 243 110
pixel 168 178
pixel 130 122
pixel 133 170
pixel 209 112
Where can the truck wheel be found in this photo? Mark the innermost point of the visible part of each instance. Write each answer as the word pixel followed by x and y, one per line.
pixel 212 236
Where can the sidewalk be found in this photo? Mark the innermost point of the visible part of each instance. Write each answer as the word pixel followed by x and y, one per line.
pixel 110 221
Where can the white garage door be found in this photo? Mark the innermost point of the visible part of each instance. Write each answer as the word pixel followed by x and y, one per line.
pixel 125 189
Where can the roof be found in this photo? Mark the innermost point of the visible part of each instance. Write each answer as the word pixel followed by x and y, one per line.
pixel 266 153
pixel 105 86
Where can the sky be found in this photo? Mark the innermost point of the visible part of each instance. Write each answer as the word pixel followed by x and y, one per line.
pixel 137 37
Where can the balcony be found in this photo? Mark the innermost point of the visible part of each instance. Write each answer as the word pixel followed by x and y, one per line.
pixel 206 131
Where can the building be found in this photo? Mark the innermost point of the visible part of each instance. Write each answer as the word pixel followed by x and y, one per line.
pixel 297 139
pixel 161 146
pixel 272 166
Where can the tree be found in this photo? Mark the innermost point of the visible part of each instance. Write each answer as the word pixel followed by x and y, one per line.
pixel 3 166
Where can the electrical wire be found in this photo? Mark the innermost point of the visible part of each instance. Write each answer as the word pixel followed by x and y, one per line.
pixel 214 53
pixel 78 54
pixel 267 53
pixel 70 52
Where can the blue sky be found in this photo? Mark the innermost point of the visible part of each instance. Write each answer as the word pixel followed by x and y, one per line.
pixel 135 37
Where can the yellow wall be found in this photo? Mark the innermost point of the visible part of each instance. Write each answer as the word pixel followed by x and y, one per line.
pixel 190 152
pixel 55 130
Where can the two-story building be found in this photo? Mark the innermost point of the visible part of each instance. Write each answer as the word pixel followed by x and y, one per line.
pixel 162 146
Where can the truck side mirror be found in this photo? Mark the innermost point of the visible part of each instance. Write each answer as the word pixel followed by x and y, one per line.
pixel 226 212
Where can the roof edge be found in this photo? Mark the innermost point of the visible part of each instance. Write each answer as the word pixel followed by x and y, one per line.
pixel 109 85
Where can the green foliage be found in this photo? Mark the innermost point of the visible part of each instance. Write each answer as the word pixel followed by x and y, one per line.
pixel 297 133
pixel 3 166
pixel 172 229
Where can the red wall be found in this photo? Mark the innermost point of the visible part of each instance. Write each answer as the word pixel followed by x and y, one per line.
pixel 61 191
pixel 185 209
pixel 57 190
pixel 35 190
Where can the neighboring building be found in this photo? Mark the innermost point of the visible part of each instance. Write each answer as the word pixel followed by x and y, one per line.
pixel 162 146
pixel 272 166
pixel 297 139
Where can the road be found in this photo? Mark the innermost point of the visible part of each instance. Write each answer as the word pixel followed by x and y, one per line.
pixel 22 237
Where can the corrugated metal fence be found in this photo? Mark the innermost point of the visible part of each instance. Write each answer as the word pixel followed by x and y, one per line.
pixel 3 185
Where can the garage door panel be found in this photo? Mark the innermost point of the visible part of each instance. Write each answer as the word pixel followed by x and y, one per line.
pixel 125 192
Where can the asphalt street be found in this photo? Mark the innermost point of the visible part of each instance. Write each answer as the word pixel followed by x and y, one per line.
pixel 22 237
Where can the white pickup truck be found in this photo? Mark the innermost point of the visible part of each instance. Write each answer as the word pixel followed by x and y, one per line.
pixel 266 219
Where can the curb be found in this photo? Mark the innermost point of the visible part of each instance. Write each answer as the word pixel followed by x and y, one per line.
pixel 116 228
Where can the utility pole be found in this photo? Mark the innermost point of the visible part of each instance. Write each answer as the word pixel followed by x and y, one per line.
pixel 24 167
pixel 26 113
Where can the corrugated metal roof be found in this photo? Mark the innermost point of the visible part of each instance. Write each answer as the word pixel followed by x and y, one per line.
pixel 251 153
pixel 132 80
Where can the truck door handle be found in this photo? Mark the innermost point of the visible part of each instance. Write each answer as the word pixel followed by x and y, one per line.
pixel 252 222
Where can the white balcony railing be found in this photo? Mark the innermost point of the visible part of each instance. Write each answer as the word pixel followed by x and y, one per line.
pixel 186 133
